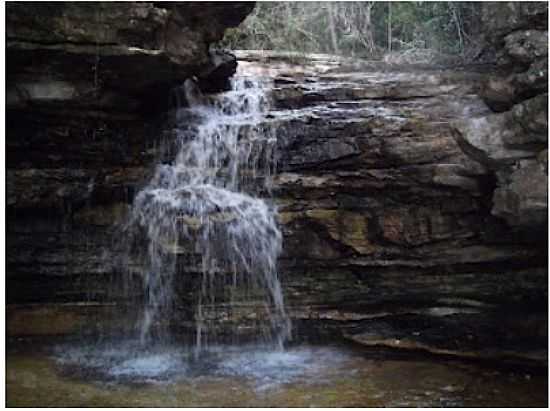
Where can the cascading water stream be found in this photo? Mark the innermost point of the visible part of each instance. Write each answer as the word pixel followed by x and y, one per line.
pixel 202 204
pixel 201 236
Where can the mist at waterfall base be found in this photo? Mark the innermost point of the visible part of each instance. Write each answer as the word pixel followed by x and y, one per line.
pixel 204 207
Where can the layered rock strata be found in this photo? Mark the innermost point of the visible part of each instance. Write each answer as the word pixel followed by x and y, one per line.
pixel 87 84
pixel 390 237
pixel 115 57
pixel 410 215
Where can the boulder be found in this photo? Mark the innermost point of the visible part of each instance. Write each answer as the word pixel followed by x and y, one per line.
pixel 532 115
pixel 503 138
pixel 527 45
pixel 495 140
pixel 509 143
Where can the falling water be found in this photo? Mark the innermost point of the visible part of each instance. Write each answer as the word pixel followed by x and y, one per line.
pixel 204 204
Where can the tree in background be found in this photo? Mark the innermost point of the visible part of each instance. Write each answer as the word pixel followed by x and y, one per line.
pixel 363 29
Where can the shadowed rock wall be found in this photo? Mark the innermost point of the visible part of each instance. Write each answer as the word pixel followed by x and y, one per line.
pixel 86 83
pixel 413 203
pixel 390 237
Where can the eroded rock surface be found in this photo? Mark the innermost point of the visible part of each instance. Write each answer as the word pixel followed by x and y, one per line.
pixel 113 56
pixel 391 235
pixel 413 214
pixel 511 142
pixel 87 84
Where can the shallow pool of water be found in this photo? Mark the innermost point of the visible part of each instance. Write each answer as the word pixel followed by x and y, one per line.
pixel 75 375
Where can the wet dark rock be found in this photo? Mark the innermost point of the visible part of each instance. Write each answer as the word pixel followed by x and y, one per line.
pixel 501 92
pixel 454 332
pixel 84 84
pixel 376 235
pixel 121 55
pixel 532 81
pixel 523 199
pixel 224 65
pixel 411 211
pixel 532 115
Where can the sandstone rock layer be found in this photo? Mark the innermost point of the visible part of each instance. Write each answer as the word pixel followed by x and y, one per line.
pixel 414 215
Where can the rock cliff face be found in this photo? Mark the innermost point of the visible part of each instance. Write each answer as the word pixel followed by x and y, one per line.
pixel 513 142
pixel 119 57
pixel 413 204
pixel 390 237
pixel 85 85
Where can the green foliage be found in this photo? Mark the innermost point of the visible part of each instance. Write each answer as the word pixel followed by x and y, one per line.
pixel 358 28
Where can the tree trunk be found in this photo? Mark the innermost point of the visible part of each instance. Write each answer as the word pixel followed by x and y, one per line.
pixel 368 27
pixel 458 28
pixel 389 26
pixel 332 28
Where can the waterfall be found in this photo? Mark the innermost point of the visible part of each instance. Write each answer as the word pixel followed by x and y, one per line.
pixel 203 208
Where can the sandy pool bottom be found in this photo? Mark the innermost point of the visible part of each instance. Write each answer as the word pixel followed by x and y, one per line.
pixel 303 376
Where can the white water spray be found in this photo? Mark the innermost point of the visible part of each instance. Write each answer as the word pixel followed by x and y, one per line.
pixel 202 204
